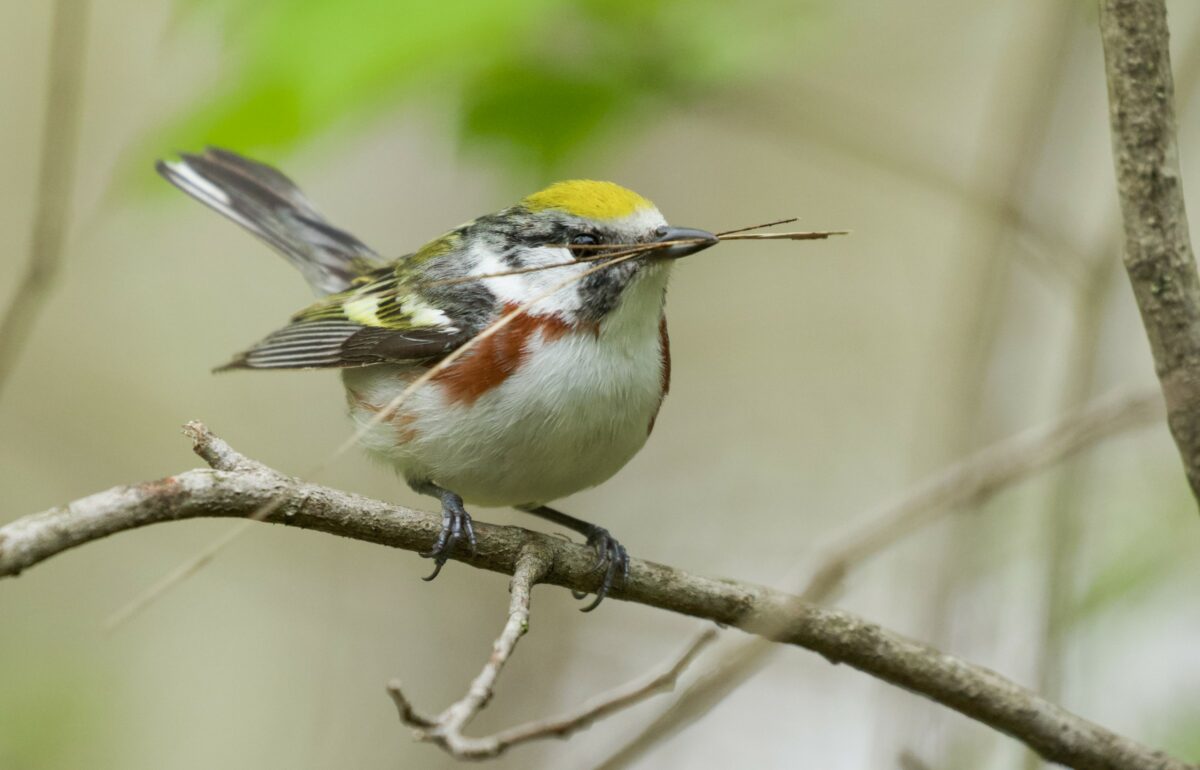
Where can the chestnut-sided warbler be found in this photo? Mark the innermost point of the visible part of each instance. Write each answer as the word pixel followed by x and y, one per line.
pixel 556 401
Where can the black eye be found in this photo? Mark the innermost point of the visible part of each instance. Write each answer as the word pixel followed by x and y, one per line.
pixel 585 239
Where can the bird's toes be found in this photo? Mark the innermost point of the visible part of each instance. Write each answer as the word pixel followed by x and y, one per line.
pixel 612 559
pixel 456 529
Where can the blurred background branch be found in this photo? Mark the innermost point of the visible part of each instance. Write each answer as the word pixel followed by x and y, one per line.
pixel 1010 146
pixel 842 125
pixel 1066 500
pixel 59 144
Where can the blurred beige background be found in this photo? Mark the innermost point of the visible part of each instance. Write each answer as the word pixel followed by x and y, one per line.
pixel 811 380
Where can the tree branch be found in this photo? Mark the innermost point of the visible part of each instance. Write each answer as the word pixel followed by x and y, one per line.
pixel 446 730
pixel 238 487
pixel 968 483
pixel 1158 251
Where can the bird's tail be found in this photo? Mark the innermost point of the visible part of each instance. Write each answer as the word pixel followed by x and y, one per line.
pixel 268 204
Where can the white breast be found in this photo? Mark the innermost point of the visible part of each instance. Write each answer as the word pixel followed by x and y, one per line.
pixel 579 408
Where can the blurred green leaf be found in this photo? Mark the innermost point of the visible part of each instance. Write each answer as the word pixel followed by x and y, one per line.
pixel 558 111
pixel 534 81
pixel 304 65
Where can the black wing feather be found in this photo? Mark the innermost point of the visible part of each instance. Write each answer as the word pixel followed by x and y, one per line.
pixel 344 344
pixel 269 205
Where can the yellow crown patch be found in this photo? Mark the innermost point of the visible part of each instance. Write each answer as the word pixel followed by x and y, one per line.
pixel 588 198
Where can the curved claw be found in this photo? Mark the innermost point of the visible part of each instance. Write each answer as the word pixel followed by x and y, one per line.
pixel 437 567
pixel 612 558
pixel 456 528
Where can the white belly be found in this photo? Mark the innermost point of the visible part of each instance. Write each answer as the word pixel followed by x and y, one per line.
pixel 578 408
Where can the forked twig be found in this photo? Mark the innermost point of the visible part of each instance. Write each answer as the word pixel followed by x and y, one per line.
pixel 610 703
pixel 446 730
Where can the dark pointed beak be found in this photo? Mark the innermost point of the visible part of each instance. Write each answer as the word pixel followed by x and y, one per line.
pixel 693 241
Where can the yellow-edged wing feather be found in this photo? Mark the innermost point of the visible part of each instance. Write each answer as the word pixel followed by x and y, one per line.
pixel 381 320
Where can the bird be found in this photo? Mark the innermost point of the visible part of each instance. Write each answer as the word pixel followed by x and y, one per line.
pixel 555 402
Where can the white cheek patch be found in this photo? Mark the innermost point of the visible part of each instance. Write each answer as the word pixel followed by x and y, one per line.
pixel 523 287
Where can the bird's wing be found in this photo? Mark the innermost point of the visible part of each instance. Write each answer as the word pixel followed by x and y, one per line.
pixel 382 320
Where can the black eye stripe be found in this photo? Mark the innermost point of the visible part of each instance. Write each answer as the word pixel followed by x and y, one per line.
pixel 526 232
pixel 542 236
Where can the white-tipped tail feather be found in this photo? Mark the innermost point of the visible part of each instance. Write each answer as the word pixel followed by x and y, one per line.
pixel 270 206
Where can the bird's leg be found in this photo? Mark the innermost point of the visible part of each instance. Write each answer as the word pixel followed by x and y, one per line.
pixel 456 525
pixel 611 558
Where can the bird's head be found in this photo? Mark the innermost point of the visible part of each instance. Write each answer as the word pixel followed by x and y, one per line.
pixel 572 222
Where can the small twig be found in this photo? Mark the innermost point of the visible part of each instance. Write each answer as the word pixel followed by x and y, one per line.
pixel 610 250
pixel 216 452
pixel 610 703
pixel 777 222
pixel 803 235
pixel 221 456
pixel 446 730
